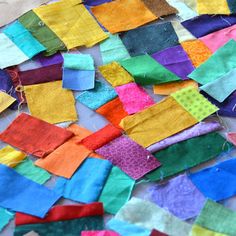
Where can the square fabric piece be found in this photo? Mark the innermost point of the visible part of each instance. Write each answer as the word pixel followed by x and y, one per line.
pixel 146 70
pixel 134 97
pixel 5 101
pixel 18 193
pixel 179 196
pixel 115 74
pixel 45 101
pixel 150 39
pixel 186 156
pixel 222 178
pixel 130 157
pixel 123 15
pixel 95 98
pixel 74 15
pixel 212 7
pixel 39 143
pixel 86 184
pixel 157 122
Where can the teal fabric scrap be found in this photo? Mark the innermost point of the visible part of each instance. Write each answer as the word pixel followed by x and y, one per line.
pixel 23 39
pixel 5 217
pixel 95 98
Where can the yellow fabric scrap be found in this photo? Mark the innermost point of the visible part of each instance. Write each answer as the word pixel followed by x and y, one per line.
pixel 5 101
pixel 213 7
pixel 199 231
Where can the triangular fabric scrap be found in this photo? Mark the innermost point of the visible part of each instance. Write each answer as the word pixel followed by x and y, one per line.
pixel 5 101
pixel 212 7
pixel 99 233
pixel 5 216
pixel 232 138
pixel 198 230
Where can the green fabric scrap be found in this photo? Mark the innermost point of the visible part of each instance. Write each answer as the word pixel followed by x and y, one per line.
pixel 5 217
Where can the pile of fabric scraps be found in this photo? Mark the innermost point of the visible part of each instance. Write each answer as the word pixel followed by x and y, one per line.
pixel 117 117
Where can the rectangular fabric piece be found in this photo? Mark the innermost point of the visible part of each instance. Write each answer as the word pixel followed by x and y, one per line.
pixel 39 143
pixel 86 184
pixel 149 39
pixel 198 230
pixel 157 122
pixel 21 194
pixel 5 101
pixel 119 19
pixel 224 58
pixel 83 29
pixel 187 156
pixel 45 101
pixel 134 97
pixel 130 157
pixel 158 218
pixel 114 198
pixel 212 7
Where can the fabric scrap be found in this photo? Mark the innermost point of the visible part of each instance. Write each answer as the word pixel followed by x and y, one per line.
pixel 212 7
pixel 232 6
pixel 49 60
pixel 198 230
pixel 5 216
pixel 5 101
pixel 99 233
pixel 157 233
pixel 232 138
pixel 39 143
pixel 95 2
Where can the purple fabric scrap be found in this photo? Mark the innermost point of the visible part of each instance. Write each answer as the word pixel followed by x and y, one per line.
pixel 176 60
pixel 129 156
pixel 95 2
pixel 179 196
pixel 197 130
pixel 51 60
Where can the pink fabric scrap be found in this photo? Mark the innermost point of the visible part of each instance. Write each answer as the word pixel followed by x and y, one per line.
pixel 99 233
pixel 232 138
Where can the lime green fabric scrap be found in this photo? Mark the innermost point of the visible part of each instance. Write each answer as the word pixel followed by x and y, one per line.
pixel 195 103
pixel 116 191
pixel 5 217
pixel 146 70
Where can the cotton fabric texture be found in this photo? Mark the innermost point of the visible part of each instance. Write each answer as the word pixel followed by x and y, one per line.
pixel 232 6
pixel 232 138
pixel 197 230
pixel 78 61
pixel 5 101
pixel 99 233
pixel 6 216
pixel 212 7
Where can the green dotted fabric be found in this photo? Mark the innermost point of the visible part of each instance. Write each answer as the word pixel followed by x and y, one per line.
pixel 195 103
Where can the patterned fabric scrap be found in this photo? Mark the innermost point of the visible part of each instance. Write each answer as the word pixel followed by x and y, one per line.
pixel 213 7
pixel 21 194
pixel 39 143
pixel 149 39
pixel 45 101
pixel 198 230
pixel 217 218
pixel 100 95
pixel 5 216
pixel 99 233
pixel 146 70
pixel 5 101
pixel 130 157
pixel 134 97
pixel 148 215
pixel 80 34
pixel 86 184
pixel 179 196
pixel 119 19
pixel 187 156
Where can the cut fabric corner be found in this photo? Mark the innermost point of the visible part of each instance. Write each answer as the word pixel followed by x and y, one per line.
pixel 5 101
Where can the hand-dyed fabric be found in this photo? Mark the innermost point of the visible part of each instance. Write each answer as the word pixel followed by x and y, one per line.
pixel 87 182
pixel 78 61
pixel 66 159
pixel 160 7
pixel 49 60
pixel 113 111
pixel 21 194
pixel 232 6
pixel 124 228
pixel 217 218
pixel 41 75
pixel 67 227
pixel 221 88
pixel 101 137
pixel 232 138
pixel 5 216
pixel 157 122
pixel 198 230
pixel 149 215
pixel 39 143
pixel 187 155
pixel 224 58
pixel 206 24
pixel 113 198
pixel 74 16
pixel 134 97
pixel 112 49
pixel 62 212
pixel 176 60
pixel 45 101
pixel 42 33
pixel 146 70
pixel 11 55
pixel 130 157
pixel 115 74
pixel 172 87
pixel 217 39
pixel 100 95
pixel 5 101
pixel 212 7
pixel 119 19
pixel 20 35
pixel 197 51
pixel 150 39
pixel 221 178
pixel 197 130
pixel 32 172
pixel 99 233
pixel 179 196
pixel 157 233
pixel 195 103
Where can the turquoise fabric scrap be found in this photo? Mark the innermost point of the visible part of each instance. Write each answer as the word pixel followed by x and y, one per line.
pixel 5 217
pixel 23 39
